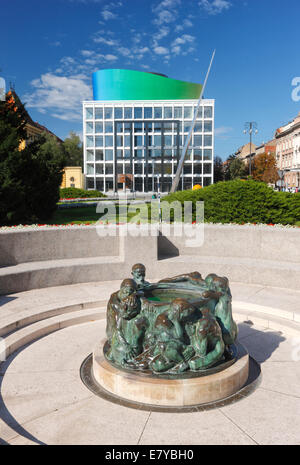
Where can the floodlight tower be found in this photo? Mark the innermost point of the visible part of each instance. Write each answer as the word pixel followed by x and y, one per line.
pixel 250 128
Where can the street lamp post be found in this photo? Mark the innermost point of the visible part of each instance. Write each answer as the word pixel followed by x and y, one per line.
pixel 250 127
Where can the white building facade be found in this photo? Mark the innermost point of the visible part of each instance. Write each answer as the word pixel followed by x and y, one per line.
pixel 136 144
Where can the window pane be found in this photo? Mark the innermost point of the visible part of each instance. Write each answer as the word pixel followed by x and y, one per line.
pixel 157 112
pixel 127 113
pixel 177 139
pixel 198 168
pixel 99 155
pixel 188 112
pixel 138 153
pixel 138 141
pixel 126 153
pixel 138 112
pixel 127 127
pixel 197 154
pixel 99 185
pixel 98 127
pixel 207 141
pixel 99 141
pixel 108 141
pixel 187 126
pixel 207 168
pixel 90 155
pixel 187 168
pixel 207 126
pixel 90 183
pixel 157 127
pixel 98 113
pixel 89 128
pixel 119 141
pixel 108 113
pixel 157 141
pixel 200 113
pixel 177 112
pixel 89 141
pixel 198 127
pixel 197 141
pixel 147 112
pixel 118 113
pixel 168 112
pixel 127 141
pixel 90 169
pixel 138 168
pixel 108 127
pixel 168 140
pixel 109 169
pixel 138 127
pixel 207 112
pixel 119 127
pixel 207 154
pixel 119 153
pixel 89 113
pixel 167 127
pixel 99 168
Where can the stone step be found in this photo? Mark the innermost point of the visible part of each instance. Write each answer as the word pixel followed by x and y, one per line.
pixel 34 331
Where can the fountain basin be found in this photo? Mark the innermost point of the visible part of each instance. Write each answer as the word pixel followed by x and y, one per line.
pixel 143 388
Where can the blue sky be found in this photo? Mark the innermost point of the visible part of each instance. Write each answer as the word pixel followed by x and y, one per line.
pixel 49 50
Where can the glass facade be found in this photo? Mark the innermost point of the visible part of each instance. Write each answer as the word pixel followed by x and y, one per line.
pixel 144 140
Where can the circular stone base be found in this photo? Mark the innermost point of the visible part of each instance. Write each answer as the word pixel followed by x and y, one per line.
pixel 138 387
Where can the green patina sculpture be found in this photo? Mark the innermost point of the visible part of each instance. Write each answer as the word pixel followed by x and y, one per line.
pixel 178 325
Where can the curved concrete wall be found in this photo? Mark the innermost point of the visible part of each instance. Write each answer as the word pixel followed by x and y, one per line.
pixel 50 257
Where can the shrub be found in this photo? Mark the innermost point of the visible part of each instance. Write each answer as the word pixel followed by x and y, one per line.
pixel 241 201
pixel 75 193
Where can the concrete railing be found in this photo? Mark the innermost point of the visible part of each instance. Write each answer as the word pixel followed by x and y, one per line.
pixel 51 257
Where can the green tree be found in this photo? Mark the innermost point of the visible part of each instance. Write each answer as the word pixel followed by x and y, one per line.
pixel 29 178
pixel 74 150
pixel 218 169
pixel 235 168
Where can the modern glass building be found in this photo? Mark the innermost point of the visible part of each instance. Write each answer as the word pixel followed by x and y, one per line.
pixel 135 128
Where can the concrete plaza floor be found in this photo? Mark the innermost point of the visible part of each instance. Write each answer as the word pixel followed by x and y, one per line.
pixel 43 400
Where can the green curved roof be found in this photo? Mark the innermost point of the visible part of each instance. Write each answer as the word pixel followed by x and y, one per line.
pixel 125 84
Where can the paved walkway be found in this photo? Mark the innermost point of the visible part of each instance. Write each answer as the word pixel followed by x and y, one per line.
pixel 43 400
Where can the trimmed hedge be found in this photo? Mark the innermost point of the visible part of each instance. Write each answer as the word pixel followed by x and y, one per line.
pixel 75 193
pixel 242 201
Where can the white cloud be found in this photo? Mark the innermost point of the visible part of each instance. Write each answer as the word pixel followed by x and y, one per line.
pixel 214 7
pixel 106 15
pixel 161 50
pixel 185 38
pixel 109 57
pixel 166 12
pixel 109 42
pixel 107 12
pixel 222 132
pixel 62 96
pixel 163 32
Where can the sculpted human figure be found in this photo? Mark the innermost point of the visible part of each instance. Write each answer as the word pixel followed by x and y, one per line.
pixel 207 342
pixel 194 278
pixel 138 274
pixel 125 327
pixel 223 308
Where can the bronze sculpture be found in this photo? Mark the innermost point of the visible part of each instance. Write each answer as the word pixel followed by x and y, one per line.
pixel 178 325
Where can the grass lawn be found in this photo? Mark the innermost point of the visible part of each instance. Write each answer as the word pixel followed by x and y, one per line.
pixel 84 215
